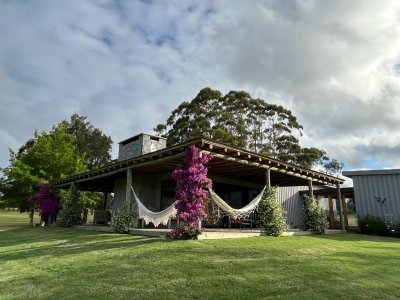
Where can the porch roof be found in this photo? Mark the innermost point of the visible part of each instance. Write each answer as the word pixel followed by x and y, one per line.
pixel 228 162
pixel 329 191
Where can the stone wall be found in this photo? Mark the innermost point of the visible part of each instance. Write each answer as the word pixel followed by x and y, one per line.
pixel 139 145
pixel 119 193
pixel 147 187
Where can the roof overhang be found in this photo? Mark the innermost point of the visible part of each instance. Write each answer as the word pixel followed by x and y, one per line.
pixel 228 162
pixel 371 172
pixel 329 191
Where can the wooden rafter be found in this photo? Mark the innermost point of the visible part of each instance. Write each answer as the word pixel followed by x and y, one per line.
pixel 228 162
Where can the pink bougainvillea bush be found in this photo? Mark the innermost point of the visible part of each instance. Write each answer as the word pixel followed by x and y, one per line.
pixel 191 193
pixel 47 202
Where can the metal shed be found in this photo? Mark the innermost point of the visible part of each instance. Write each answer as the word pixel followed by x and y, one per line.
pixel 377 193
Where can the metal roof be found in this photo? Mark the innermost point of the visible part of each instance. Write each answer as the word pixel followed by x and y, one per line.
pixel 371 172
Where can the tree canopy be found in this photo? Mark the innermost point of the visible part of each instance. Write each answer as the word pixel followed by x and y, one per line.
pixel 70 147
pixel 90 142
pixel 239 120
pixel 46 157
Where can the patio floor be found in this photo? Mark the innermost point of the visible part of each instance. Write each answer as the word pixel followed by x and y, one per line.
pixel 210 234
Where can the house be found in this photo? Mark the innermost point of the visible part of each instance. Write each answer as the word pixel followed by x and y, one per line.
pixel 146 163
pixel 377 193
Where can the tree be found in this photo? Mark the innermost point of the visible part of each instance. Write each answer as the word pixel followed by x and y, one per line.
pixel 72 210
pixel 70 147
pixel 192 119
pixel 89 141
pixel 334 167
pixel 49 156
pixel 314 217
pixel 271 215
pixel 242 121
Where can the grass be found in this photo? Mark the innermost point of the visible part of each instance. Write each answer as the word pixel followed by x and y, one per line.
pixel 13 219
pixel 59 263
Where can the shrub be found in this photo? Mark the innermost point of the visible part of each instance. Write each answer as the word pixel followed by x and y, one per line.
pixel 271 216
pixel 72 211
pixel 397 227
pixel 314 218
pixel 373 225
pixel 185 233
pixel 47 201
pixel 123 219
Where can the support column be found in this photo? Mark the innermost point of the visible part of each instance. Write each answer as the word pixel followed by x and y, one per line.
pixel 346 220
pixel 199 155
pixel 128 192
pixel 331 214
pixel 339 198
pixel 268 178
pixel 105 201
pixel 310 189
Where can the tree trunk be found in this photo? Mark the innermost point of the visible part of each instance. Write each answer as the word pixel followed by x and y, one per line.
pixel 31 213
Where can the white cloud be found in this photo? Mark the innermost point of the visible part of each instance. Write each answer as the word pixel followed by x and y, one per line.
pixel 126 65
pixel 333 61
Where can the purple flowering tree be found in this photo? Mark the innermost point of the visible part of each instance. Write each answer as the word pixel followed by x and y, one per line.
pixel 191 193
pixel 47 202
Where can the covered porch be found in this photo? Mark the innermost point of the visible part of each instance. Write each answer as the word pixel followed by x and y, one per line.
pixel 238 175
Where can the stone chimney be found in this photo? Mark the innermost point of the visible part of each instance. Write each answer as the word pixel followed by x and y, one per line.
pixel 140 144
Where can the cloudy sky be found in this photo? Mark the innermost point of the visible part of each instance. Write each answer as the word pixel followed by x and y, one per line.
pixel 128 64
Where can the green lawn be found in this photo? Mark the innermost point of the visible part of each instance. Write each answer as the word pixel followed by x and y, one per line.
pixel 15 219
pixel 58 263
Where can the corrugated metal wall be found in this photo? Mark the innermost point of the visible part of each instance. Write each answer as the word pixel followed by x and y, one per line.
pixel 292 202
pixel 369 187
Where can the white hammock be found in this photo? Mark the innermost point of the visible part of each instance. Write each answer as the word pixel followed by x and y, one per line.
pixel 234 213
pixel 157 218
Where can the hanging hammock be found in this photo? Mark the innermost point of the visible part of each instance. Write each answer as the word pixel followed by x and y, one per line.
pixel 157 218
pixel 234 213
pixel 213 212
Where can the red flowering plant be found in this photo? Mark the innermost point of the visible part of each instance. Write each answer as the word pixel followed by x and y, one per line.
pixel 191 193
pixel 47 201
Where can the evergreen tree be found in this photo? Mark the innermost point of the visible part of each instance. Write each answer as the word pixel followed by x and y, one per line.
pixel 314 217
pixel 122 220
pixel 72 211
pixel 271 215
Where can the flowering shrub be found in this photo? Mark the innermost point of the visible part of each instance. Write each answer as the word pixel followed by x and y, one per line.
pixel 47 201
pixel 185 233
pixel 191 193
